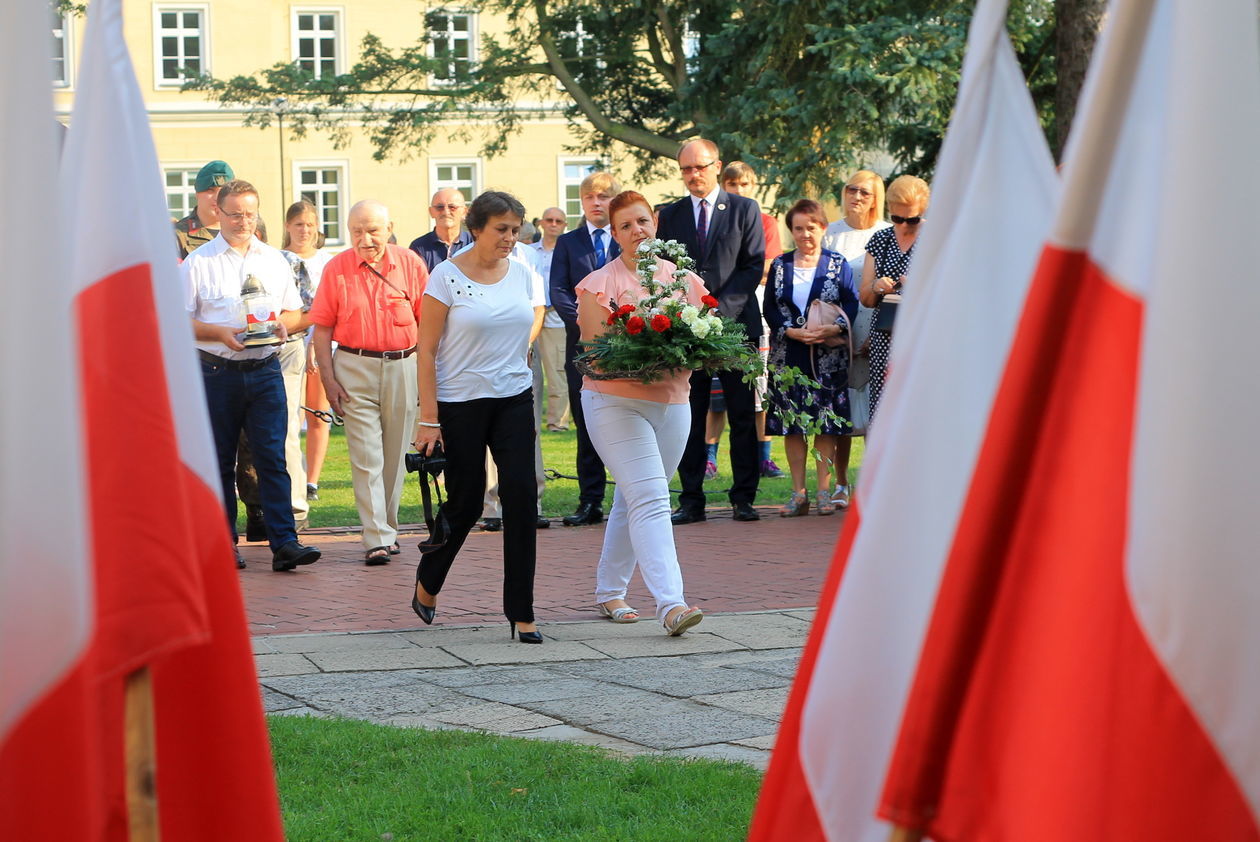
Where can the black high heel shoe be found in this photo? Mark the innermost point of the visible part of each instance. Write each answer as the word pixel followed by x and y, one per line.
pixel 526 637
pixel 424 612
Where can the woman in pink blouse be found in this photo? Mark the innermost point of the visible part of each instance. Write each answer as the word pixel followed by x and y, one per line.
pixel 640 430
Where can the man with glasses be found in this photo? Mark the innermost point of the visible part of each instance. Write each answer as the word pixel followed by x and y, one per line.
pixel 244 384
pixel 202 225
pixel 369 303
pixel 447 237
pixel 723 235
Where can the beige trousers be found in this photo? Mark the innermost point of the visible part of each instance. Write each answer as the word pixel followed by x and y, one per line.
pixel 380 420
pixel 549 351
pixel 293 367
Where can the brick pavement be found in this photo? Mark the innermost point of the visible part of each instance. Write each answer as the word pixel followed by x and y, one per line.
pixel 778 563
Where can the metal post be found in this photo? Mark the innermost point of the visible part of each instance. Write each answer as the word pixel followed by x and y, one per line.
pixel 279 104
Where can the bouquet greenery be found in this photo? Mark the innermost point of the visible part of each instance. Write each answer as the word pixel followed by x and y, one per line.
pixel 663 333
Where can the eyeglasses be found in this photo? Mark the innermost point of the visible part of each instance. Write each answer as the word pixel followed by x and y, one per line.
pixel 557 221
pixel 695 169
pixel 448 207
pixel 239 217
pixel 908 220
pixel 858 191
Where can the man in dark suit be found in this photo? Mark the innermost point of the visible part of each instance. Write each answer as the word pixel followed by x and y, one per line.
pixel 578 253
pixel 723 235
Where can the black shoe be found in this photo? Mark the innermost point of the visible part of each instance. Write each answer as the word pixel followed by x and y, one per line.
pixel 491 524
pixel 586 515
pixel 424 612
pixel 255 527
pixel 745 512
pixel 526 637
pixel 291 555
pixel 542 523
pixel 682 516
pixel 240 562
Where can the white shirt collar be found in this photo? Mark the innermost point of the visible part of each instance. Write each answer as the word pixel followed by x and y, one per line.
pixel 591 229
pixel 711 199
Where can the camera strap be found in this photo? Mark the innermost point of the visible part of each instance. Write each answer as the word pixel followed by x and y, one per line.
pixel 436 524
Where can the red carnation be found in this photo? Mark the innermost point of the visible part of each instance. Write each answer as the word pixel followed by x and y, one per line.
pixel 612 318
pixel 624 309
pixel 660 323
pixel 708 301
pixel 635 324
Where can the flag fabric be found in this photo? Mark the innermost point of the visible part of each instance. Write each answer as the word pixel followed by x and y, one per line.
pixel 166 595
pixel 990 212
pixel 1089 671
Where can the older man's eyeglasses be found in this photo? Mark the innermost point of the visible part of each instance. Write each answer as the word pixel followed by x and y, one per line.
pixel 239 217
pixel 853 190
pixel 908 220
pixel 448 207
pixel 697 168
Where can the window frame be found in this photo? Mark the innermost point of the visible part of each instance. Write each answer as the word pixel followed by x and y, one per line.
pixel 473 33
pixel 343 193
pixel 159 82
pixel 339 36
pixel 186 167
pixel 563 181
pixel 478 176
pixel 66 82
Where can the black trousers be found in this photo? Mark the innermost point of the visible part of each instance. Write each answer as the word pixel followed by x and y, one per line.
pixel 743 449
pixel 506 426
pixel 590 468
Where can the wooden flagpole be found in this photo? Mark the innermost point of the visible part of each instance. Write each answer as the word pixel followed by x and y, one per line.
pixel 141 757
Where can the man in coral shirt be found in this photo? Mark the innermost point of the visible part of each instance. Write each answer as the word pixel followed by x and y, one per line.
pixel 369 304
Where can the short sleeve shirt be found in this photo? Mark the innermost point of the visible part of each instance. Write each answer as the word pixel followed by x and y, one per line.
pixel 483 351
pixel 213 276
pixel 366 312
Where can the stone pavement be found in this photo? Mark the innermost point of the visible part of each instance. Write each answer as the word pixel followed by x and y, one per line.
pixel 339 639
pixel 715 692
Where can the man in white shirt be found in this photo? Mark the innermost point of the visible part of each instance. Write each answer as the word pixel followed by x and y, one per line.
pixel 549 349
pixel 244 384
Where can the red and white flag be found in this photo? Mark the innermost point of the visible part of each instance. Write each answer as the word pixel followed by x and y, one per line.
pixel 1090 670
pixel 990 211
pixel 165 592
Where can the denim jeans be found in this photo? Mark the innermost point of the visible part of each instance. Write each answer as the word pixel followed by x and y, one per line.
pixel 253 401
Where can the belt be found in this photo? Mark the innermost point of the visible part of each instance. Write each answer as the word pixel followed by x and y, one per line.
pixel 379 355
pixel 234 365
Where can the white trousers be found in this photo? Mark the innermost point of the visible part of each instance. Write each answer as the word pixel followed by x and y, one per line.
pixel 641 443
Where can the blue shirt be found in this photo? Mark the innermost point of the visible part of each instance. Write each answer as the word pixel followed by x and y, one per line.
pixel 433 251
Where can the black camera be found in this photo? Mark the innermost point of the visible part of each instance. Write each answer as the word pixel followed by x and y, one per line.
pixel 433 464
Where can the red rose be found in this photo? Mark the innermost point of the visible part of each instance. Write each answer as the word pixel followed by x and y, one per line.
pixel 635 324
pixel 708 301
pixel 660 323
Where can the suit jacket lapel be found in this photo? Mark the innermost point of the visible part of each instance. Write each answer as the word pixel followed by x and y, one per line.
pixel 719 215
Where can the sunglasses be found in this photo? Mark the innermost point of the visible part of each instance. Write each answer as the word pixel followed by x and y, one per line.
pixel 448 207
pixel 858 191
pixel 909 220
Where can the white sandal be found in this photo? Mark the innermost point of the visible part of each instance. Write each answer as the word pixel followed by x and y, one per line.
pixel 683 620
pixel 624 614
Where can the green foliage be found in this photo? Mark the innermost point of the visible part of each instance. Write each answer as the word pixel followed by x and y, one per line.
pixel 346 781
pixel 804 91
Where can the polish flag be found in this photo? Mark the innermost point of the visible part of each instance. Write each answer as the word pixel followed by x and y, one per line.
pixel 989 216
pixel 1090 671
pixel 158 573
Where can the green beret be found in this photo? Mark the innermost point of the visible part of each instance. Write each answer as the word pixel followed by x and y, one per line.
pixel 214 174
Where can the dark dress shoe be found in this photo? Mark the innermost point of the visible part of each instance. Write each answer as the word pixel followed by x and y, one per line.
pixel 745 512
pixel 255 527
pixel 491 524
pixel 240 562
pixel 586 515
pixel 542 523
pixel 682 516
pixel 291 555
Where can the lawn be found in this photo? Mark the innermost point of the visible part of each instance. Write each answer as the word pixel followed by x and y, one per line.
pixel 359 782
pixel 335 506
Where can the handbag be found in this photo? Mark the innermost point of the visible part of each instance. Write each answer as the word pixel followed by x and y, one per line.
pixel 887 312
pixel 823 314
pixel 859 385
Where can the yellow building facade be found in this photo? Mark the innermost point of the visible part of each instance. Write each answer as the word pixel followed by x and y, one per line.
pixel 233 37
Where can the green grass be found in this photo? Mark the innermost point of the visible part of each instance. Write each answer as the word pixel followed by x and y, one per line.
pixel 335 506
pixel 350 781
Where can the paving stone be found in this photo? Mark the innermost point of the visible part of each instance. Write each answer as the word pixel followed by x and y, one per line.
pixel 769 703
pixel 412 657
pixel 806 614
pixel 785 667
pixel 274 702
pixel 660 644
pixel 339 642
pixel 407 720
pixel 571 734
pixel 492 716
pixel 555 687
pixel 302 711
pixel 685 724
pixel 766 742
pixel 725 751
pixel 593 710
pixel 269 665
pixel 516 653
pixel 472 676
pixel 765 631
pixel 602 629
pixel 377 705
pixel 261 645
pixel 320 684
pixel 681 677
pixel 456 635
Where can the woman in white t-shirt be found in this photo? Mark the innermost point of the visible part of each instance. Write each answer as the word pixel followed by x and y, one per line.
pixel 480 314
pixel 303 248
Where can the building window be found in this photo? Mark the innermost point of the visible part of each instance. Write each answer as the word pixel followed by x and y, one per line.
pixel 317 41
pixel 324 187
pixel 180 43
pixel 62 73
pixel 181 191
pixel 451 44
pixel 572 171
pixel 464 176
